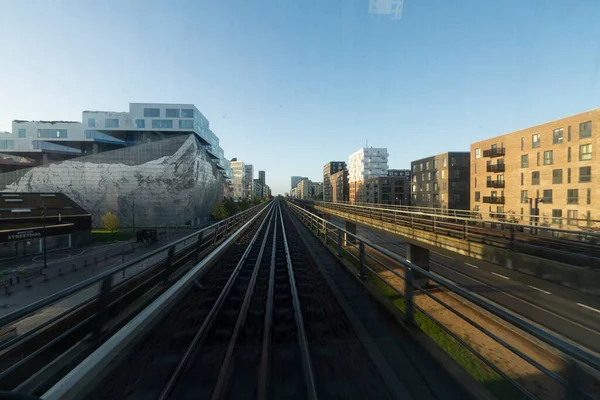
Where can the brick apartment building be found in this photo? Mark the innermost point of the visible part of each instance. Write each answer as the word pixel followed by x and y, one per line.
pixel 329 169
pixel 391 189
pixel 441 181
pixel 339 186
pixel 549 165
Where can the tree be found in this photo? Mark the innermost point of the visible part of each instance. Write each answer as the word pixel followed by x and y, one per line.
pixel 110 221
pixel 220 212
pixel 257 201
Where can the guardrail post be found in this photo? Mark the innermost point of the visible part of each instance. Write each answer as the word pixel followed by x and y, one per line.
pixel 102 306
pixel 326 234
pixel 361 246
pixel 434 221
pixel 408 294
pixel 466 231
pixel 215 234
pixel 169 263
pixel 339 242
pixel 199 244
pixel 122 255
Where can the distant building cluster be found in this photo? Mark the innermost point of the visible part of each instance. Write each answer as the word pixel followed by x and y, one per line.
pixel 245 187
pixel 544 173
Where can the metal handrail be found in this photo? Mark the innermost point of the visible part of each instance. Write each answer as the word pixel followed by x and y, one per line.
pixel 36 306
pixel 473 220
pixel 548 338
pixel 448 212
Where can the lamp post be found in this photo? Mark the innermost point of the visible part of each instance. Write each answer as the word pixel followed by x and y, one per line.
pixel 44 233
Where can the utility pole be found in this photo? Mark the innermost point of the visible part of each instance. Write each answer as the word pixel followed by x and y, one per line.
pixel 44 233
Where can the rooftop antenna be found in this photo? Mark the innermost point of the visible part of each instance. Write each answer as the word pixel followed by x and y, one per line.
pixel 366 142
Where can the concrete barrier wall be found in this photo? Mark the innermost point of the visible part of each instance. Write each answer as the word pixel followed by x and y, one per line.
pixel 579 278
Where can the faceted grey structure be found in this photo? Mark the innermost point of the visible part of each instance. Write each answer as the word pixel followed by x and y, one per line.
pixel 166 182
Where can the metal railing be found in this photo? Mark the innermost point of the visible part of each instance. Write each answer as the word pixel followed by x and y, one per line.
pixel 493 199
pixel 478 215
pixel 194 241
pixel 494 152
pixel 495 168
pixel 367 258
pixel 538 237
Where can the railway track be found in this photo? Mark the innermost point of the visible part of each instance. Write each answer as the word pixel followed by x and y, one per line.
pixel 260 323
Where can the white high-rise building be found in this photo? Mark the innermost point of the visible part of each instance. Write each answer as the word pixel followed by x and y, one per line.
pixel 239 179
pixel 368 162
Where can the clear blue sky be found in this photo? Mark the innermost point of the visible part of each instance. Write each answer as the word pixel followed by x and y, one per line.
pixel 289 85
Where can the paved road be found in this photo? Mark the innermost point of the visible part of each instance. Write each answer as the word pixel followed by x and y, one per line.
pixel 567 312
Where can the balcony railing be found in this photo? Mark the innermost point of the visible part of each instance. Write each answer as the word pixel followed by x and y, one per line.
pixel 495 184
pixel 493 199
pixel 495 168
pixel 496 152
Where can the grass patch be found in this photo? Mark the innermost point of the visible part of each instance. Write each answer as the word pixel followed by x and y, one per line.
pixel 490 379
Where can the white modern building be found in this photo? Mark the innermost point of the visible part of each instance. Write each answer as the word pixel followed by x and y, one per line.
pixel 99 131
pixel 238 169
pixel 368 162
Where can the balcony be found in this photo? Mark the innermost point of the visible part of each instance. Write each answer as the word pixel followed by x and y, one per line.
pixel 495 168
pixel 494 152
pixel 495 184
pixel 493 199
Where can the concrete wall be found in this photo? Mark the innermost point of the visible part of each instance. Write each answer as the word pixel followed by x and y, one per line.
pixel 579 278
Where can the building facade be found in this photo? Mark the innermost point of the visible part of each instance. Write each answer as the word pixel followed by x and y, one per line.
pixel 393 189
pixel 259 189
pixel 339 186
pixel 546 170
pixel 295 180
pixel 238 169
pixel 249 172
pixel 262 177
pixel 303 189
pixel 161 160
pixel 330 169
pixel 316 190
pixel 368 162
pixel 441 181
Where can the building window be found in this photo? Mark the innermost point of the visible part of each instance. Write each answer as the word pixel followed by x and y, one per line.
pixel 414 188
pixel 52 133
pixel 557 136
pixel 151 112
pixel 414 168
pixel 557 176
pixel 585 130
pixel 500 210
pixel 427 187
pixel 535 140
pixel 435 164
pixel 547 196
pixel 572 217
pixel 188 113
pixel 435 186
pixel 585 152
pixel 589 196
pixel 427 165
pixel 444 186
pixel 435 175
pixel 535 178
pixel 477 153
pixel 188 124
pixel 477 196
pixel 522 143
pixel 7 144
pixel 421 167
pixel 452 161
pixel 453 185
pixel 443 174
pixel 445 162
pixel 457 173
pixel 522 179
pixel 172 113
pixel 162 123
pixel 140 123
pixel 548 157
pixel 476 208
pixel 422 177
pixel 568 175
pixel 91 122
pixel 22 132
pixel 443 196
pixel 569 154
pixel 111 123
pixel 524 161
pixel 572 196
pixel 585 174
pixel 475 182
pixel 538 158
pixel 457 197
pixel 556 216
pixel 524 196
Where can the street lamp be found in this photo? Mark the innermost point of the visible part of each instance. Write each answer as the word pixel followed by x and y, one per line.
pixel 534 211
